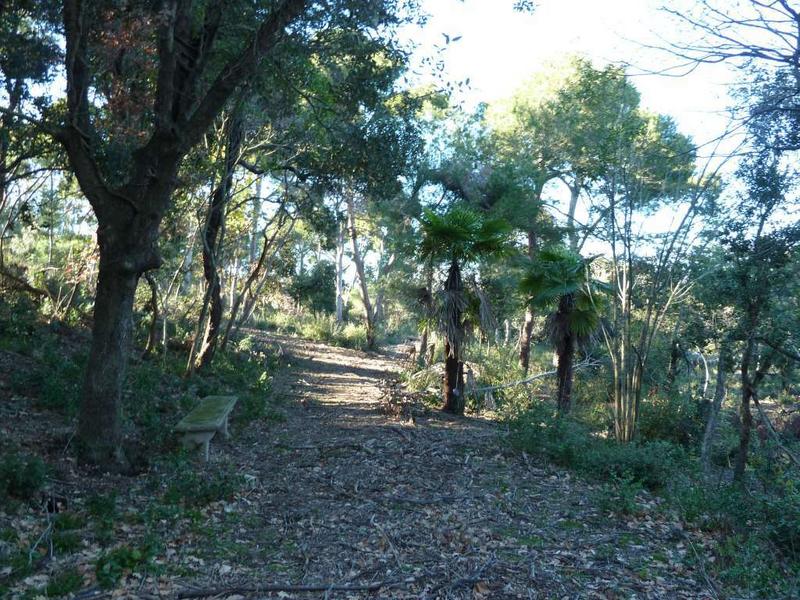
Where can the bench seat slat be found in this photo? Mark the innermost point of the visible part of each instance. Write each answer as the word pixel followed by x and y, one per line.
pixel 209 415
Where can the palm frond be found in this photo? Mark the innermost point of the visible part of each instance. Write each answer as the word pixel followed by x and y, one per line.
pixel 462 234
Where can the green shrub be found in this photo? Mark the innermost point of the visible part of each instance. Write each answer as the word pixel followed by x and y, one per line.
pixel 21 476
pixel 619 496
pixel 674 418
pixel 571 444
pixel 112 565
pixel 782 520
pixel 18 315
pixel 653 464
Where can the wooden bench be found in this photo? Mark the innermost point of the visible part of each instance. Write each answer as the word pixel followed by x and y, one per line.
pixel 208 418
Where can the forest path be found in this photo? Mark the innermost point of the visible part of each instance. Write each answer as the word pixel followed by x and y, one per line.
pixel 348 495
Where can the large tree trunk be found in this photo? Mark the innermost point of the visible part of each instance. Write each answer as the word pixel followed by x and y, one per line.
pixel 369 316
pixel 99 426
pixel 129 215
pixel 566 354
pixel 720 391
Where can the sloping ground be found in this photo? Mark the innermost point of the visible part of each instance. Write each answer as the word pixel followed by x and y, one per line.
pixel 348 498
pixel 351 498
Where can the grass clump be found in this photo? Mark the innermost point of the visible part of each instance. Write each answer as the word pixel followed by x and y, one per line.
pixel 64 583
pixel 190 489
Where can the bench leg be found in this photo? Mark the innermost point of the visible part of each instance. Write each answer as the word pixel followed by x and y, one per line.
pixel 198 440
pixel 224 429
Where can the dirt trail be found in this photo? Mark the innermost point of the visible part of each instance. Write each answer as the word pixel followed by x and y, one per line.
pixel 348 495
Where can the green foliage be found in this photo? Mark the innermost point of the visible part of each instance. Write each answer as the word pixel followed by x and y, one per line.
pixel 322 328
pixel 111 566
pixel 192 488
pixel 756 526
pixel 21 476
pixel 674 418
pixel 556 274
pixel 316 289
pixel 462 234
pixel 18 322
pixel 63 583
pixel 569 443
pixel 619 496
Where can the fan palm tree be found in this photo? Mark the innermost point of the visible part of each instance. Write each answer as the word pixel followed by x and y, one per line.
pixel 456 238
pixel 558 280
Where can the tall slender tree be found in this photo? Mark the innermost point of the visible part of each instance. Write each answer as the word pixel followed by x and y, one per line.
pixel 558 280
pixel 457 238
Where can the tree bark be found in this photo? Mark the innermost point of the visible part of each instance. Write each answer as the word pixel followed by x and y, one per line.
pixel 129 215
pixel 527 327
pixel 574 194
pixel 750 383
pixel 369 316
pixel 152 332
pixel 566 354
pixel 453 385
pixel 427 304
pixel 525 341
pixel 99 425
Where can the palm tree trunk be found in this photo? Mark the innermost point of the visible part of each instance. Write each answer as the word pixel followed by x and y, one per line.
pixel 565 348
pixel 453 380
pixel 453 387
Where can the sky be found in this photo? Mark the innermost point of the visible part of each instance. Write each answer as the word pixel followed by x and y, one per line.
pixel 499 48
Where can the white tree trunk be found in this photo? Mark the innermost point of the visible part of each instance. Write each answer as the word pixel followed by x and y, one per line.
pixel 340 274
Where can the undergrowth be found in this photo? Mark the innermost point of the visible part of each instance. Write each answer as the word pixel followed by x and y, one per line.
pixel 320 328
pixel 758 526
